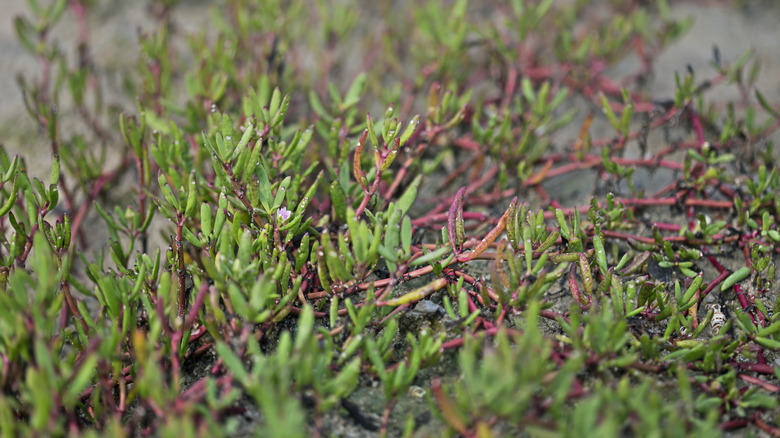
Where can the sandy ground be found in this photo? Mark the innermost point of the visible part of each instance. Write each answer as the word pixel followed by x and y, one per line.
pixel 732 26
pixel 114 26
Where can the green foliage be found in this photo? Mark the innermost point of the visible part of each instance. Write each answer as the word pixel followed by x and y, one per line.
pixel 279 252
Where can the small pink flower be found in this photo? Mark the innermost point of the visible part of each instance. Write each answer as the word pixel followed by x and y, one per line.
pixel 283 214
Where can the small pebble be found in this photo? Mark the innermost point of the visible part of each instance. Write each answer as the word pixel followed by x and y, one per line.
pixel 428 307
pixel 416 391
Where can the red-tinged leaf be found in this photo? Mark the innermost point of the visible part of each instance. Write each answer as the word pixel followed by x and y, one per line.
pixel 448 408
pixel 489 238
pixel 582 144
pixel 434 95
pixel 539 177
pixel 758 382
pixel 360 176
pixel 455 227
pixel 574 287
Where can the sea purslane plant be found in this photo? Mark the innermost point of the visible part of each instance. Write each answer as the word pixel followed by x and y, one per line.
pixel 324 218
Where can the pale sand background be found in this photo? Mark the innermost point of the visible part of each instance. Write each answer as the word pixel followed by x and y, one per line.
pixel 733 26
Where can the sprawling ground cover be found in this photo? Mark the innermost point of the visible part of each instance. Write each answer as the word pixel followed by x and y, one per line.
pixel 400 218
